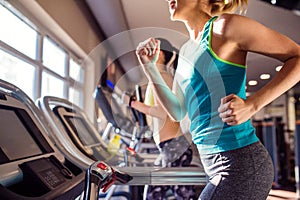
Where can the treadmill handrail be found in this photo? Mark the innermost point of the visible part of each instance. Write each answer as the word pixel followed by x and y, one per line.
pixel 103 103
pixel 152 175
pixel 165 176
pixel 70 149
pixel 46 103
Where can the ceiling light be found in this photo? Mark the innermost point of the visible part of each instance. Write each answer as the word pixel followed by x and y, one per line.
pixel 252 82
pixel 265 76
pixel 297 12
pixel 278 68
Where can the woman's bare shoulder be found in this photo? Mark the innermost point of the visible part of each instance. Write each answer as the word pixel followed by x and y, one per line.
pixel 229 24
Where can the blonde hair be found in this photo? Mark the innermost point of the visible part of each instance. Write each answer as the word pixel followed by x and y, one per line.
pixel 228 6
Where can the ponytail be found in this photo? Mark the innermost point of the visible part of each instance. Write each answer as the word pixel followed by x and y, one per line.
pixel 228 6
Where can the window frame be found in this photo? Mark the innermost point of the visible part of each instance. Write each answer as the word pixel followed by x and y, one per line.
pixel 42 33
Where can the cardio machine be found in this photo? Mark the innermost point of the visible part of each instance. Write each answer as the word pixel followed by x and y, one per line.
pixel 74 129
pixel 113 110
pixel 31 165
pixel 141 175
pixel 36 166
pixel 74 132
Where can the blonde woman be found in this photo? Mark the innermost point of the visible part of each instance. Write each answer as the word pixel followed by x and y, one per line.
pixel 210 87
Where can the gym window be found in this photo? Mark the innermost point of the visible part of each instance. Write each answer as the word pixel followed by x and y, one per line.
pixel 36 63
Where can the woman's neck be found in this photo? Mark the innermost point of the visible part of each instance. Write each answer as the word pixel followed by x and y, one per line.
pixel 196 24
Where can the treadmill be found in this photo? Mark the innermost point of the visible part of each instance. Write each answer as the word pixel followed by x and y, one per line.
pixel 108 100
pixel 141 175
pixel 72 128
pixel 74 131
pixel 31 166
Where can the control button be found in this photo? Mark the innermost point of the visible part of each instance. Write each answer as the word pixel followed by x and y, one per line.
pixel 102 166
pixel 67 173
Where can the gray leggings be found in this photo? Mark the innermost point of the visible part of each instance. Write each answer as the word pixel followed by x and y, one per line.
pixel 176 152
pixel 242 174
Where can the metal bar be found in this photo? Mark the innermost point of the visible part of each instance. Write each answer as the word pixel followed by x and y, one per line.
pixel 165 176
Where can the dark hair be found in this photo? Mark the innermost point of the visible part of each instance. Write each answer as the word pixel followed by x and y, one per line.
pixel 167 48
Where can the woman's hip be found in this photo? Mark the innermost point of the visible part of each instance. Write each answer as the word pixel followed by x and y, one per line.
pixel 252 160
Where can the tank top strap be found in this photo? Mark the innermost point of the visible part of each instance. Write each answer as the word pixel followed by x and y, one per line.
pixel 206 32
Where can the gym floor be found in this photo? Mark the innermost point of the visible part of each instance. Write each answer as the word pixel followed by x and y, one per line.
pixel 279 194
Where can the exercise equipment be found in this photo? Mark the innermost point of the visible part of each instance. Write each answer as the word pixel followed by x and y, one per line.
pixel 140 129
pixel 31 167
pixel 74 130
pixel 297 158
pixel 141 174
pixel 273 138
pixel 36 162
pixel 102 176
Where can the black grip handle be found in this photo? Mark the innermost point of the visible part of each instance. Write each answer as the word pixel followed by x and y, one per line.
pixel 105 106
pixel 141 116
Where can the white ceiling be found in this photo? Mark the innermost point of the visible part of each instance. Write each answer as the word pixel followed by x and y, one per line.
pixel 127 22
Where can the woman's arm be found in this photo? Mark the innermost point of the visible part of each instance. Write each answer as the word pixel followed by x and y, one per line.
pixel 153 111
pixel 151 105
pixel 251 36
pixel 173 103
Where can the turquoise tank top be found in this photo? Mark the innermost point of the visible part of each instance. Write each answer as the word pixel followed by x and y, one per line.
pixel 205 79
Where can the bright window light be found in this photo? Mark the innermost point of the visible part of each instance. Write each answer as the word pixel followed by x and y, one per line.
pixel 54 57
pixel 16 71
pixel 16 33
pixel 76 71
pixel 52 86
pixel 21 64
pixel 75 96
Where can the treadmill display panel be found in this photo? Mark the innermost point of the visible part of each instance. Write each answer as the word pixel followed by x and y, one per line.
pixel 19 136
pixel 81 130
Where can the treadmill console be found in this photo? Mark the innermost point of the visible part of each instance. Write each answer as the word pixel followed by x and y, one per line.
pixel 83 135
pixel 30 165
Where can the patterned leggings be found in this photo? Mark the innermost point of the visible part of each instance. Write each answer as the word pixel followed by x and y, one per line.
pixel 175 152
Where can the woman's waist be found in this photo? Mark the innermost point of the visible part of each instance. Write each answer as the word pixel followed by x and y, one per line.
pixel 219 140
pixel 166 133
pixel 208 133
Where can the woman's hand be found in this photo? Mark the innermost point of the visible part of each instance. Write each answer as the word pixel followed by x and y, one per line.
pixel 233 110
pixel 148 52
